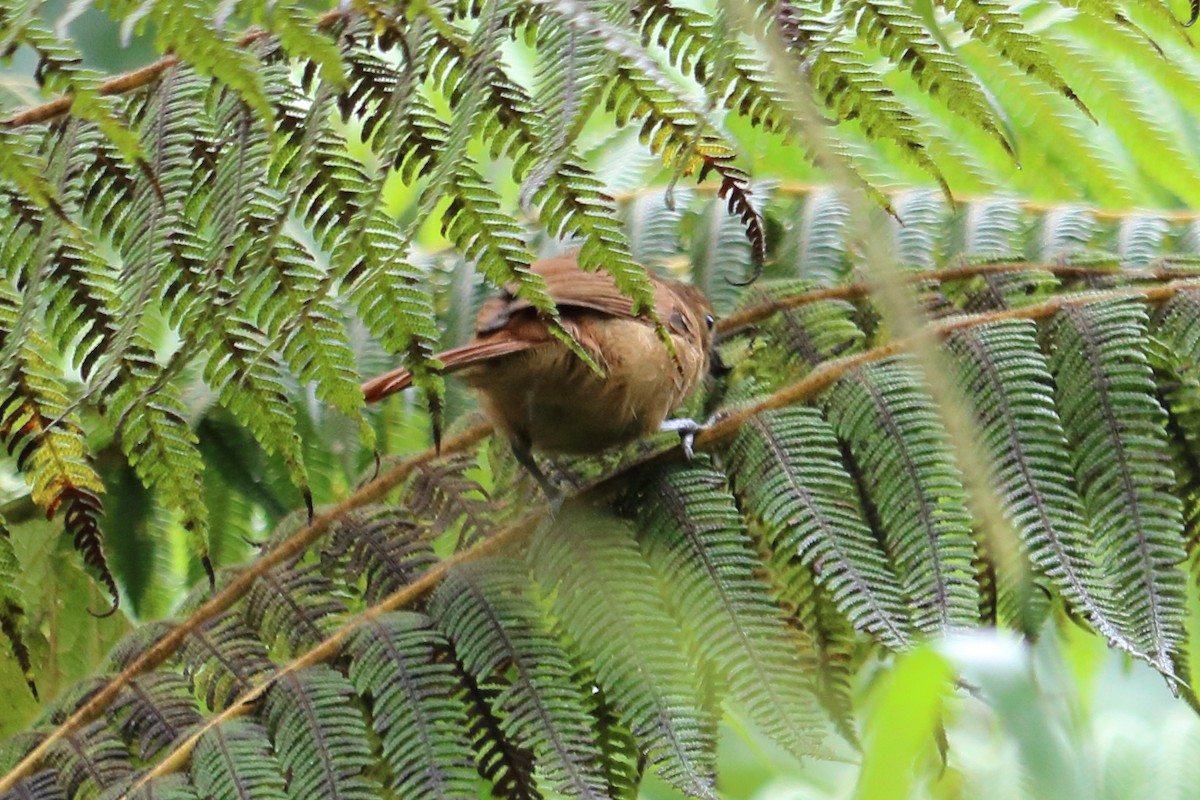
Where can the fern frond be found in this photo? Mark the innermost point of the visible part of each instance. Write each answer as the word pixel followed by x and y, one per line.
pixel 1105 394
pixel 498 635
pixel 1008 382
pixel 184 28
pixel 1172 352
pixel 235 760
pixel 787 468
pixel 158 441
pixel 49 443
pixel 155 711
pixel 168 787
pixel 693 536
pixel 320 736
pixel 641 670
pixel 222 659
pixel 12 609
pixel 720 255
pixel 382 547
pixel 91 760
pixel 251 382
pixel 998 25
pixel 899 34
pixel 890 423
pixel 829 650
pixel 296 604
pixel 415 706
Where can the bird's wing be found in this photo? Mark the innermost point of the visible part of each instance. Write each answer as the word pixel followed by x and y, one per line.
pixel 569 285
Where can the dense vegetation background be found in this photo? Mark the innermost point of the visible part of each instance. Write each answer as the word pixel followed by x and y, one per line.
pixel 136 275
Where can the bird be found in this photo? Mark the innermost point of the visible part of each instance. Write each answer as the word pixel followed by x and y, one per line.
pixel 542 396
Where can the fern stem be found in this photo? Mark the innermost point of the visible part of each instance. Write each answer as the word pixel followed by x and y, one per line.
pixel 735 322
pixel 829 373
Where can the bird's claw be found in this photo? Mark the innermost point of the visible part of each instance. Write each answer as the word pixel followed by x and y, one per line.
pixel 687 430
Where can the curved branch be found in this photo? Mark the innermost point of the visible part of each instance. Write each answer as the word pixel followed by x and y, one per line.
pixel 734 323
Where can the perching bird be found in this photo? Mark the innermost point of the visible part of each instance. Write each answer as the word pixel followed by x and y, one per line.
pixel 542 396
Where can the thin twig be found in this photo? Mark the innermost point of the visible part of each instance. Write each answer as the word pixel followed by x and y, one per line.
pixel 854 291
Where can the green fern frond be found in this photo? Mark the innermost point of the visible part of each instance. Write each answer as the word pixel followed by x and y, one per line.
pixel 320 736
pixel 498 635
pixel 223 659
pixel 787 468
pixel 651 226
pixel 299 36
pixel 1001 27
pixel 830 651
pixel 888 419
pixel 1008 382
pixel 382 547
pixel 693 536
pixel 12 609
pixel 254 389
pixel 920 215
pixel 236 760
pixel 1105 393
pixel 570 78
pixel 49 444
pixel 158 441
pixel 415 708
pixel 642 670
pixel 23 170
pixel 720 255
pixel 896 31
pixel 1172 352
pixel 154 711
pixel 184 28
pixel 295 604
pixel 91 760
pixel 168 787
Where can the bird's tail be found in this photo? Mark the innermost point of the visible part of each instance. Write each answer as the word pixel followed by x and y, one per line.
pixel 400 379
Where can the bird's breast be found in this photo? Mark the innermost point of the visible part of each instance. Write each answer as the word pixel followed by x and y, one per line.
pixel 551 399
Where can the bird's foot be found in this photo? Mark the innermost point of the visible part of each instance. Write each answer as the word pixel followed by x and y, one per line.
pixel 687 430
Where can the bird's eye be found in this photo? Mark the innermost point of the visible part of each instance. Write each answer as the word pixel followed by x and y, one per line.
pixel 710 321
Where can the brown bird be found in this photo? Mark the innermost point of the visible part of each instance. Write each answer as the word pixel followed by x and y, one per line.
pixel 542 396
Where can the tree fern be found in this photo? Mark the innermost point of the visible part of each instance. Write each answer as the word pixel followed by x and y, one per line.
pixel 1112 417
pixel 593 569
pixel 234 220
pixel 399 665
pixel 889 421
pixel 486 610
